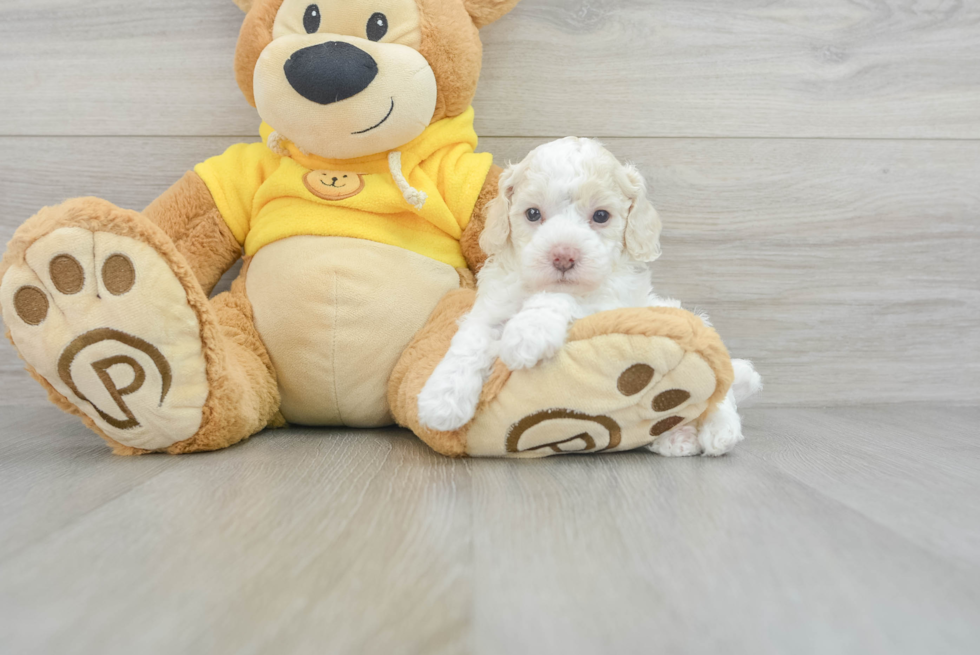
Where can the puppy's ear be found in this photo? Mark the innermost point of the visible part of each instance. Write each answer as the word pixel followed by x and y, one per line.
pixel 643 223
pixel 244 5
pixel 496 230
pixel 484 12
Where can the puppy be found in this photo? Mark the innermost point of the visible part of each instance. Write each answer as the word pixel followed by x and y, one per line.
pixel 570 234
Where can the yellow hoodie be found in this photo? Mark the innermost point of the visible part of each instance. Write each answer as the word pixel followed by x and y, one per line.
pixel 264 196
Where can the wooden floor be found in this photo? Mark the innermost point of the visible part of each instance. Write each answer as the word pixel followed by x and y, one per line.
pixel 829 531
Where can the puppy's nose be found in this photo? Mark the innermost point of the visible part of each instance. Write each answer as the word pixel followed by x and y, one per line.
pixel 330 72
pixel 563 258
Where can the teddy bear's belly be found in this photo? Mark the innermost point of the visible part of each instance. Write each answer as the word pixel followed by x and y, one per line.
pixel 335 315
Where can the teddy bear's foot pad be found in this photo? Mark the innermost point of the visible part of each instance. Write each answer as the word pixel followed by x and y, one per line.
pixel 104 320
pixel 611 392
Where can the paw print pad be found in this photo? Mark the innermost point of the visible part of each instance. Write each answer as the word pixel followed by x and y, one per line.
pixel 668 400
pixel 31 305
pixel 666 424
pixel 66 274
pixel 635 379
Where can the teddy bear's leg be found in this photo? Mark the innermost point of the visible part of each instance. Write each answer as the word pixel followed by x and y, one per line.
pixel 113 322
pixel 419 361
pixel 623 379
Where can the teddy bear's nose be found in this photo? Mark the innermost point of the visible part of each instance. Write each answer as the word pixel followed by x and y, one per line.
pixel 330 72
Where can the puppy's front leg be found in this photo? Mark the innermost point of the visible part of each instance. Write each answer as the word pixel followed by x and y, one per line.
pixel 449 398
pixel 538 331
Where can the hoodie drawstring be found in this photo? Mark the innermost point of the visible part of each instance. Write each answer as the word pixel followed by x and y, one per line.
pixel 412 196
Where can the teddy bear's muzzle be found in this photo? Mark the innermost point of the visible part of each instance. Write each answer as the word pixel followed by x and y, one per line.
pixel 330 72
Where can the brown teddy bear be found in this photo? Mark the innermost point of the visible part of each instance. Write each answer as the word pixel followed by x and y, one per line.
pixel 358 216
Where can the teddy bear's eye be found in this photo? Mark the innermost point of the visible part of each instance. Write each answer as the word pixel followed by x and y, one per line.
pixel 311 19
pixel 533 214
pixel 377 26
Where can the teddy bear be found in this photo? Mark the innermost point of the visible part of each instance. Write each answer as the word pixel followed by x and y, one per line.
pixel 358 217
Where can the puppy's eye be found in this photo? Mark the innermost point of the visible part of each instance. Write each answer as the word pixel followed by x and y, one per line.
pixel 533 214
pixel 377 26
pixel 311 19
pixel 600 216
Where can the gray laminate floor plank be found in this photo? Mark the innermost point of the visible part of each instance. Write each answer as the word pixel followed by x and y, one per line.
pixel 913 469
pixel 631 554
pixel 299 541
pixel 54 471
pixel 326 541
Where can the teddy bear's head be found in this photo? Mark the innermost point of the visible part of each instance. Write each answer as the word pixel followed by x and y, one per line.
pixel 349 78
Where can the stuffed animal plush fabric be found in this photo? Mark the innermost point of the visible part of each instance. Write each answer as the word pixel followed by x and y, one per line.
pixel 358 216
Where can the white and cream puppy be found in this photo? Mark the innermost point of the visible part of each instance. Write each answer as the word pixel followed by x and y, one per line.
pixel 570 234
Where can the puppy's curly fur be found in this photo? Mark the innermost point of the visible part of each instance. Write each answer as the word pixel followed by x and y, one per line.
pixel 570 234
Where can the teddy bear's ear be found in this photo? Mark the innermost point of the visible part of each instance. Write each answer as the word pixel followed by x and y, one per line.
pixel 244 5
pixel 484 12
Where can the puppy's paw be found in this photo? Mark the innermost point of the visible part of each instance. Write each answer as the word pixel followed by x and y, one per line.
pixel 721 431
pixel 448 401
pixel 531 337
pixel 679 442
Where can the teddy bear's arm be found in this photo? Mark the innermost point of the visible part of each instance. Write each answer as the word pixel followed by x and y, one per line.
pixel 189 216
pixel 470 241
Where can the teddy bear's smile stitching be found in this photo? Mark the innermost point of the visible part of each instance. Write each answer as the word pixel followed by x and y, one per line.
pixel 383 120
